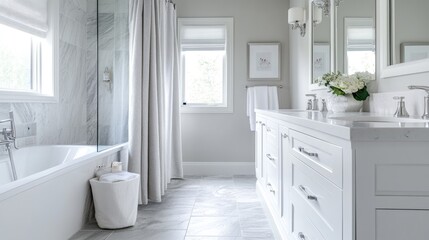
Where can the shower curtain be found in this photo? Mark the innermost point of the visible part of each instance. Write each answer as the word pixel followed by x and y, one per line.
pixel 154 123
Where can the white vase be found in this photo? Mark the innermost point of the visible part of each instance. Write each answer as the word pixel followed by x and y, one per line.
pixel 345 103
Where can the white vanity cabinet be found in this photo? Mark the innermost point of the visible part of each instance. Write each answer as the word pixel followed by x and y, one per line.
pixel 325 179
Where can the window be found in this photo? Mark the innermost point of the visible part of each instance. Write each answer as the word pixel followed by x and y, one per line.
pixel 206 64
pixel 360 45
pixel 28 51
pixel 20 60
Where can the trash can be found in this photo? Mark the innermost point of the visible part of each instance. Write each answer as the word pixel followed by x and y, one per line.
pixel 116 202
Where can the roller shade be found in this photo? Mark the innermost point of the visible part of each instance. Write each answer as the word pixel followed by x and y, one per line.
pixel 196 37
pixel 360 38
pixel 30 16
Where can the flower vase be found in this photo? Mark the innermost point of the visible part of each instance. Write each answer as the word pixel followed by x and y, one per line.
pixel 346 103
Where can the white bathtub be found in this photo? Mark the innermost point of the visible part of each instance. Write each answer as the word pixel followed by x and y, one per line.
pixel 50 199
pixel 32 160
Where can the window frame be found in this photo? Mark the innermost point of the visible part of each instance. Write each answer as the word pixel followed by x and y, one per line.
pixel 44 67
pixel 227 106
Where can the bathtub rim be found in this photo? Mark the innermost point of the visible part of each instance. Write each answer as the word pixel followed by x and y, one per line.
pixel 11 189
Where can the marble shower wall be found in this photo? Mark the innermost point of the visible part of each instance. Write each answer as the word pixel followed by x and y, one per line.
pixel 64 122
pixel 113 37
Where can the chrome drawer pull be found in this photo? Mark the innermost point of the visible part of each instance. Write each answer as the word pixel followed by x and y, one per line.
pixel 269 157
pixel 301 149
pixel 304 190
pixel 301 236
pixel 271 188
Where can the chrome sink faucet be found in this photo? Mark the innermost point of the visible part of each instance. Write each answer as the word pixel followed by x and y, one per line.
pixel 312 104
pixel 426 99
pixel 400 110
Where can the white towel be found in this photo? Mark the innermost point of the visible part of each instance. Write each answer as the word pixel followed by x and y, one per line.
pixel 117 177
pixel 261 97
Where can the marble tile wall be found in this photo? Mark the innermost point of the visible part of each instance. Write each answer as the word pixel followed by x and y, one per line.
pixel 73 120
pixel 64 122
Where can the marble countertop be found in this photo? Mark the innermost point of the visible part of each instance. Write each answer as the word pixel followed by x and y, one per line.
pixel 354 130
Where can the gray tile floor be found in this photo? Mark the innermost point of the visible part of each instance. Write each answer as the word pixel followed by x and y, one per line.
pixel 196 208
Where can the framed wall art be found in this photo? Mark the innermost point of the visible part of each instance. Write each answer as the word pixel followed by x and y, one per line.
pixel 264 61
pixel 414 51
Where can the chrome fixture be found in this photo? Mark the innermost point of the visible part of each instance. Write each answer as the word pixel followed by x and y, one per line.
pixel 426 99
pixel 297 18
pixel 324 108
pixel 9 134
pixel 314 102
pixel 325 5
pixel 400 110
pixel 309 105
pixel 9 137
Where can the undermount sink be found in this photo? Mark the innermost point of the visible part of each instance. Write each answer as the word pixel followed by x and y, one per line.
pixel 379 119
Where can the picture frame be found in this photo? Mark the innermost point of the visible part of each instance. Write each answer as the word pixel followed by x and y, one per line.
pixel 321 60
pixel 264 61
pixel 413 51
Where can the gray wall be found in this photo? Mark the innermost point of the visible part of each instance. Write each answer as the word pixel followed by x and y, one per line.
pixel 63 122
pixel 227 137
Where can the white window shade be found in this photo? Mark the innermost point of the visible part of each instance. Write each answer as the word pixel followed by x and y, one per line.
pixel 360 37
pixel 196 37
pixel 30 16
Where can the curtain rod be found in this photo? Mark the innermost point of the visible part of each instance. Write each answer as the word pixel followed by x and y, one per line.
pixel 279 86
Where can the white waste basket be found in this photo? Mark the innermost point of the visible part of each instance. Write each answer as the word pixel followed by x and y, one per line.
pixel 116 203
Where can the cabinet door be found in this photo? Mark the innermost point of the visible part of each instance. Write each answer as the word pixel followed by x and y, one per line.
pixel 285 177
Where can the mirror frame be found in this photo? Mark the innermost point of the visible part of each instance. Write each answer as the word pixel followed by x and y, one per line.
pixel 315 86
pixel 383 35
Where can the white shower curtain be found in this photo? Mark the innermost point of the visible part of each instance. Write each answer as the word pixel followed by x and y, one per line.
pixel 154 125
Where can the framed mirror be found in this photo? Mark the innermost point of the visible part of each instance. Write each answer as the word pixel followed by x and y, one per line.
pixel 355 36
pixel 404 37
pixel 320 35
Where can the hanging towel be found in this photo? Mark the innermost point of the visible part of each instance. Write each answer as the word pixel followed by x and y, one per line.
pixel 261 97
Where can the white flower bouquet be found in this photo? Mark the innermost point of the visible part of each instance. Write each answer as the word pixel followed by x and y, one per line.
pixel 342 85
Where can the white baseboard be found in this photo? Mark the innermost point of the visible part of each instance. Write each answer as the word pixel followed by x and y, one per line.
pixel 218 168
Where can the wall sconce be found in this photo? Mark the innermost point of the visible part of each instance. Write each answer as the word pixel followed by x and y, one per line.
pixel 296 17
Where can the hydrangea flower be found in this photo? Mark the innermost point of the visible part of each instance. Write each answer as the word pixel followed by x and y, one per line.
pixel 355 84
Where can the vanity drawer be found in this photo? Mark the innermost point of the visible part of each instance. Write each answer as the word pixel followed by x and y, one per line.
pixel 321 197
pixel 324 157
pixel 271 142
pixel 272 182
pixel 272 134
pixel 302 228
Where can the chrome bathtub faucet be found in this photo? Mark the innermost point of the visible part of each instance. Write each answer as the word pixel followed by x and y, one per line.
pixel 9 134
pixel 9 137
